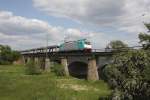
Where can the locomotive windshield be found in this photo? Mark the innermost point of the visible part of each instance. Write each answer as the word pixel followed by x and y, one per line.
pixel 88 43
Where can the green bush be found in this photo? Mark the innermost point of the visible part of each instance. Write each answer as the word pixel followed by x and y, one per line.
pixel 7 55
pixel 58 69
pixel 129 72
pixel 32 68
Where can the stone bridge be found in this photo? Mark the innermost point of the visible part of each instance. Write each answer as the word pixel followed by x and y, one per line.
pixel 77 64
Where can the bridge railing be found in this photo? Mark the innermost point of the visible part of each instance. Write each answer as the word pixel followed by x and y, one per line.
pixel 54 49
pixel 100 50
pixel 118 49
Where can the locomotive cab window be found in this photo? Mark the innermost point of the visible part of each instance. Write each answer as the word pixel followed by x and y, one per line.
pixel 88 43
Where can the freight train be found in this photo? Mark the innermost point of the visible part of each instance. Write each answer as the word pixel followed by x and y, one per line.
pixel 79 45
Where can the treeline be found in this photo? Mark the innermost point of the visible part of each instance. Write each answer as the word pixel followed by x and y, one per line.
pixel 7 55
pixel 129 73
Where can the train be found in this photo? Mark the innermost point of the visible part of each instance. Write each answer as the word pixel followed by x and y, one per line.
pixel 79 45
pixel 82 45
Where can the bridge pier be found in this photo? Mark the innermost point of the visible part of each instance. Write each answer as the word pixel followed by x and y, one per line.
pixel 92 70
pixel 29 59
pixel 47 65
pixel 23 59
pixel 36 61
pixel 42 63
pixel 64 63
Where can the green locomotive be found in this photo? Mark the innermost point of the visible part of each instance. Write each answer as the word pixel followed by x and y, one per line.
pixel 79 45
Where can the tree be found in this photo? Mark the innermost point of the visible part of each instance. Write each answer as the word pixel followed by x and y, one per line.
pixel 145 38
pixel 16 55
pixel 128 73
pixel 147 26
pixel 147 70
pixel 117 45
pixel 7 55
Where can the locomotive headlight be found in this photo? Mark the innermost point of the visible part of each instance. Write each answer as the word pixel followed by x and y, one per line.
pixel 87 46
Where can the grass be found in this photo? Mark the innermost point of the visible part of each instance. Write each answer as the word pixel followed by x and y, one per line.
pixel 16 85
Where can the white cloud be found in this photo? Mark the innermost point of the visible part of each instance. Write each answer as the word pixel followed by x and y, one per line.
pixel 124 15
pixel 11 24
pixel 74 34
pixel 136 13
pixel 20 32
pixel 94 11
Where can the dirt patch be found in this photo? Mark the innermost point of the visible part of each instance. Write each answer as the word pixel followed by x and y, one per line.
pixel 74 87
pixel 77 87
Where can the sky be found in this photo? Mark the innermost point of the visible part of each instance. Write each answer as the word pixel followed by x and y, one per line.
pixel 26 24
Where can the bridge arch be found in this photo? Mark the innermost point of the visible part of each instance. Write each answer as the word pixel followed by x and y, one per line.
pixel 78 69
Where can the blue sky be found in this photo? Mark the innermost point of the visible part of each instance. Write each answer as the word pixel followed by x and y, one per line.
pixel 25 8
pixel 25 23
